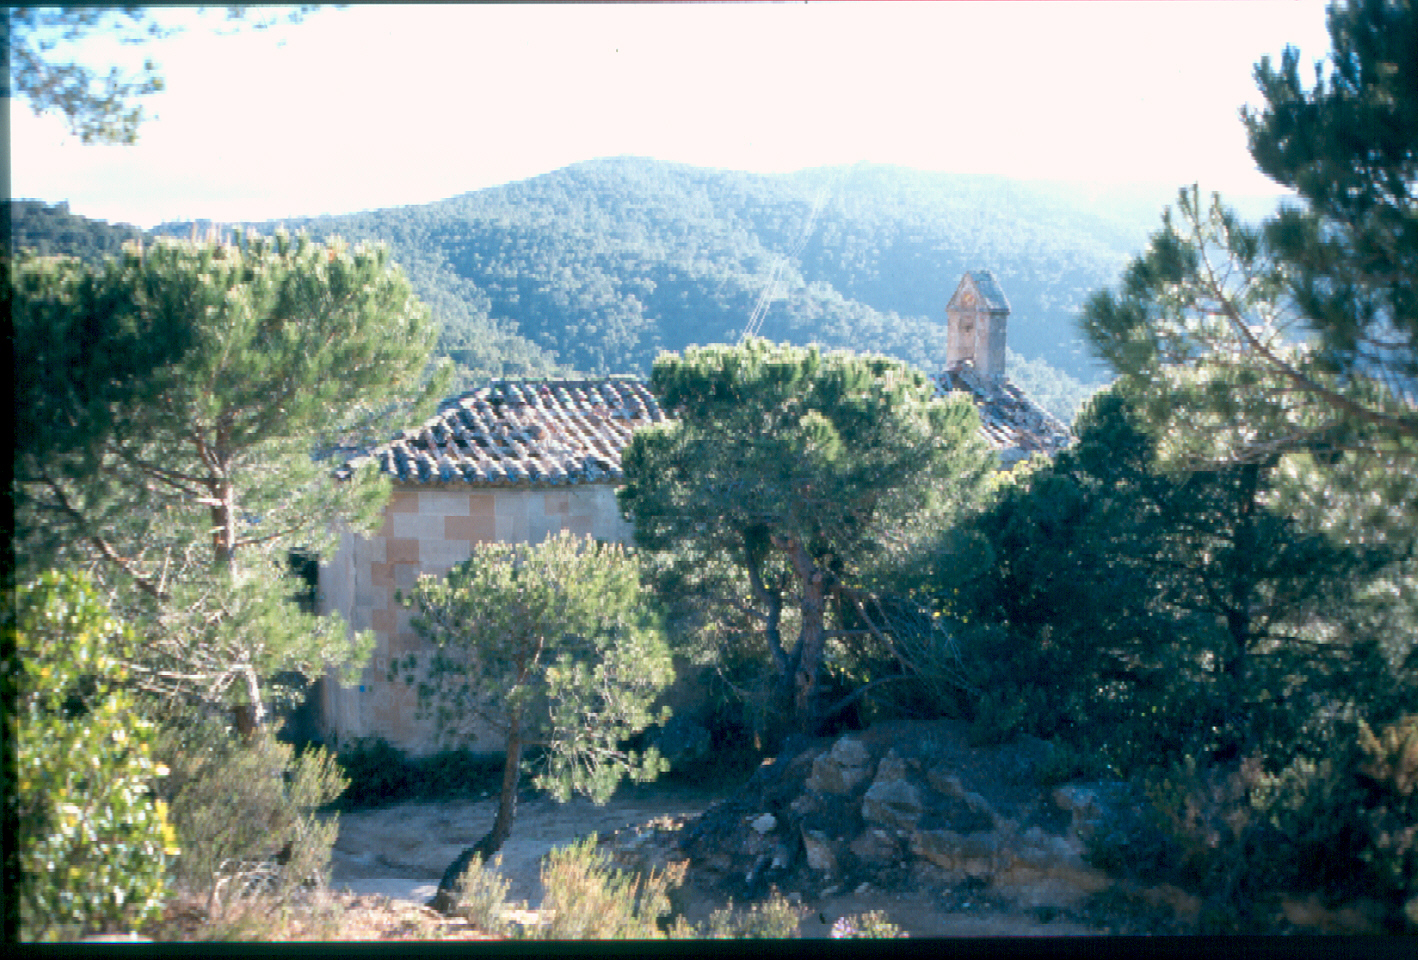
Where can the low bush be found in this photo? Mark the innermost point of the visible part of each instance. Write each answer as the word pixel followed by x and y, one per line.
pixel 776 918
pixel 872 925
pixel 252 914
pixel 248 813
pixel 94 844
pixel 380 774
pixel 1240 833
pixel 588 899
pixel 482 897
pixel 1350 820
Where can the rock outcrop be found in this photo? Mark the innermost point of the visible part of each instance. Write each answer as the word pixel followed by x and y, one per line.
pixel 890 809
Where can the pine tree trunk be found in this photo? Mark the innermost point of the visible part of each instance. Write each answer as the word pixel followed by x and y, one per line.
pixel 249 718
pixel 446 899
pixel 507 802
pixel 812 641
pixel 1240 624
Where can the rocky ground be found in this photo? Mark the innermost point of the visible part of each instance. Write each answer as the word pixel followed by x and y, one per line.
pixel 945 837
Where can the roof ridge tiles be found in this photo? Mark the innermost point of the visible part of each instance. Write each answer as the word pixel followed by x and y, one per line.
pixel 521 430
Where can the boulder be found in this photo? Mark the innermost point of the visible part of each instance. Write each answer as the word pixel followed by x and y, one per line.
pixel 1092 806
pixel 949 784
pixel 973 853
pixel 896 809
pixel 875 847
pixel 805 804
pixel 893 800
pixel 1046 853
pixel 820 852
pixel 841 769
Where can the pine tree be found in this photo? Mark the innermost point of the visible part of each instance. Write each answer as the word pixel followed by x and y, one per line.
pixel 1301 334
pixel 97 108
pixel 172 406
pixel 1349 147
pixel 788 480
pixel 1153 614
pixel 557 645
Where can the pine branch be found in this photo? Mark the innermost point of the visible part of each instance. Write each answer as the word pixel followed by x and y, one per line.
pixel 1307 385
pixel 105 549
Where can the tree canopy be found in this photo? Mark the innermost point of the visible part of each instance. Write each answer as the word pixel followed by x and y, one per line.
pixel 1198 634
pixel 1203 606
pixel 97 108
pixel 1245 496
pixel 1349 147
pixel 172 406
pixel 787 479
pixel 1301 334
pixel 556 644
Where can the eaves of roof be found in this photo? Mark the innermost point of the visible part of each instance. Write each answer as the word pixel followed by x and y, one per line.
pixel 521 433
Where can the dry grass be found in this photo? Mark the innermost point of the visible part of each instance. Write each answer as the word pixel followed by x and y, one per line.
pixel 312 915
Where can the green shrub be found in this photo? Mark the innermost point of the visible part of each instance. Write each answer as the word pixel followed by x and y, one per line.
pixel 1066 762
pixel 1352 818
pixel 380 774
pixel 774 919
pixel 94 842
pixel 1000 717
pixel 588 899
pixel 1390 765
pixel 248 811
pixel 1344 825
pixel 482 897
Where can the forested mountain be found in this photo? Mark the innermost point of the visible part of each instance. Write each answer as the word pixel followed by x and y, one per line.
pixel 51 230
pixel 599 266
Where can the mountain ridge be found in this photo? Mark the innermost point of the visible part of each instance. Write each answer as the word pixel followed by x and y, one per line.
pixel 598 266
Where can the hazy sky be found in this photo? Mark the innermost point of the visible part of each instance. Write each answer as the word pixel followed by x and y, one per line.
pixel 375 106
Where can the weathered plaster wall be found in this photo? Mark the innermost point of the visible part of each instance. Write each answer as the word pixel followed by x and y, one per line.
pixel 427 531
pixel 979 336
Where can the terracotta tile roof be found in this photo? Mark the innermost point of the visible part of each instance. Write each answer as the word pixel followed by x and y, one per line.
pixel 1010 422
pixel 522 432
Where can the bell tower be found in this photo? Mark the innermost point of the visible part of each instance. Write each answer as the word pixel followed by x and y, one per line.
pixel 977 317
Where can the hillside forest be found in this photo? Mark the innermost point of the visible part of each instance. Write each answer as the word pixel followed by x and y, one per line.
pixel 598 267
pixel 1206 606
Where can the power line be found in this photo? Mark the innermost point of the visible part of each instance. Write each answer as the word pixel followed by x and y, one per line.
pixel 765 297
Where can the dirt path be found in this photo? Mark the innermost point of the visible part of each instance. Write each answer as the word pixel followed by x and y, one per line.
pixel 401 851
pixel 411 844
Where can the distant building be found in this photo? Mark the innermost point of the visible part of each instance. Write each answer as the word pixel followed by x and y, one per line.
pixel 517 461
pixel 512 462
pixel 977 318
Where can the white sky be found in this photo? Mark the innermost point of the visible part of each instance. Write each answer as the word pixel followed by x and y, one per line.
pixel 375 106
